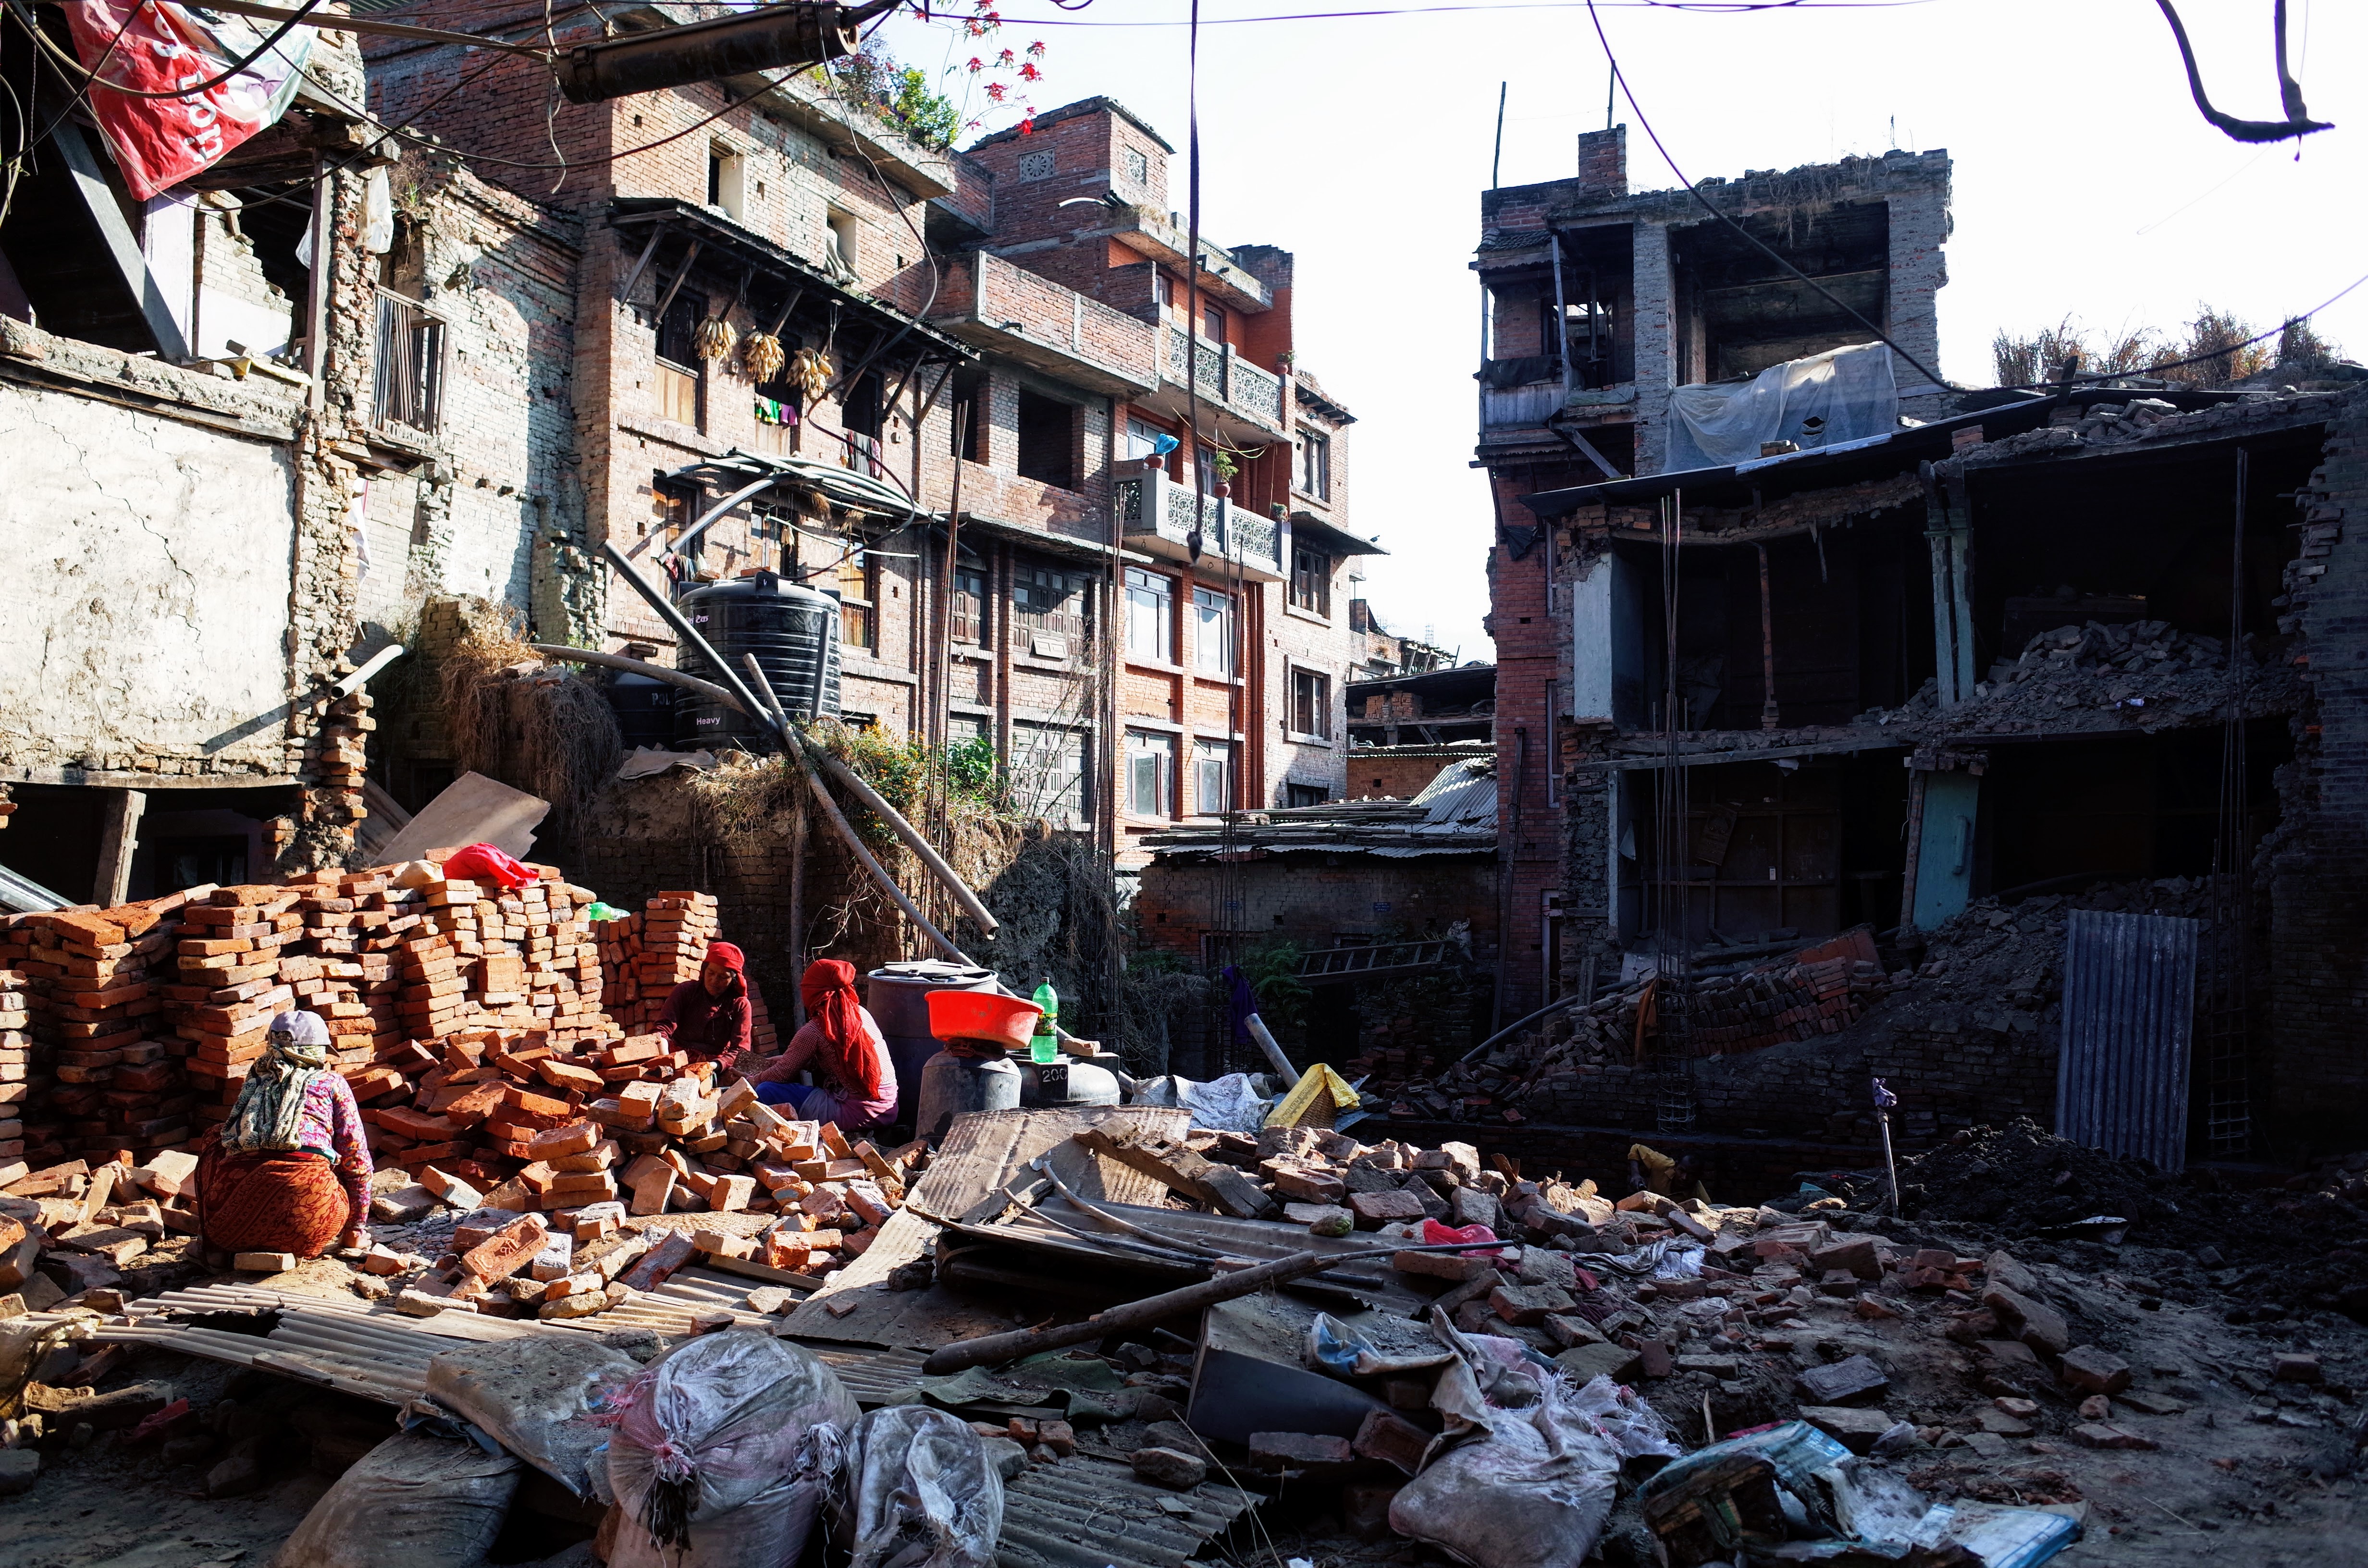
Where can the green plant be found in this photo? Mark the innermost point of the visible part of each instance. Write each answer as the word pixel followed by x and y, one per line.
pixel 970 768
pixel 1226 467
pixel 1273 974
pixel 900 95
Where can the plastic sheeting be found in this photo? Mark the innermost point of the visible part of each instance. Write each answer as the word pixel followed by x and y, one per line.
pixel 1826 400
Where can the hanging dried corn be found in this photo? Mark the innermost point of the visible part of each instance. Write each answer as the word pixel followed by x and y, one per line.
pixel 715 338
pixel 761 353
pixel 809 369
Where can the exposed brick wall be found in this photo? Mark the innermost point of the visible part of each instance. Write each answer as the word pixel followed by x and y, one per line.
pixel 2317 1007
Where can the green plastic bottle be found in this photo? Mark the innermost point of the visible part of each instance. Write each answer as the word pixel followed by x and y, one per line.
pixel 1045 1044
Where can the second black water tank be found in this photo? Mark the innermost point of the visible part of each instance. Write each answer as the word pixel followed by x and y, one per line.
pixel 644 710
pixel 793 633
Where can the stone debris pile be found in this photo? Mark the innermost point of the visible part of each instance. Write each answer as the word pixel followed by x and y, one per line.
pixel 1742 1006
pixel 2147 674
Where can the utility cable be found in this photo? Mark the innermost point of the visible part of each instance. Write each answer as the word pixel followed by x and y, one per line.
pixel 194 88
pixel 1770 251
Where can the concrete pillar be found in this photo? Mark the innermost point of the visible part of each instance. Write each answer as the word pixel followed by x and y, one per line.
pixel 119 837
pixel 1656 345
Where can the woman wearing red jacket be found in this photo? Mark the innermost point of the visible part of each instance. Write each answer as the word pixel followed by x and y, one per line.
pixel 709 1019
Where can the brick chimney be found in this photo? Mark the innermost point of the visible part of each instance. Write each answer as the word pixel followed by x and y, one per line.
pixel 1603 162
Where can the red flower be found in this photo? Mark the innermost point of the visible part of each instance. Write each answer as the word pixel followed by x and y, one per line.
pixel 994 91
pixel 1028 126
pixel 1036 49
pixel 1030 73
pixel 1006 59
pixel 976 65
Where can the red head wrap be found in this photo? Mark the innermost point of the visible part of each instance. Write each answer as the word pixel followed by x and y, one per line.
pixel 728 956
pixel 847 1051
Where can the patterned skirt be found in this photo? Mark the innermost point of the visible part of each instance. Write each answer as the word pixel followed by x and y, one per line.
pixel 271 1200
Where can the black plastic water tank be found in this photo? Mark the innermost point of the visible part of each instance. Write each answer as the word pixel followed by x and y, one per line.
pixel 644 710
pixel 793 633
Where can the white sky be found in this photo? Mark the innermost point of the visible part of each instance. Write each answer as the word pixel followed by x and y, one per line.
pixel 2085 181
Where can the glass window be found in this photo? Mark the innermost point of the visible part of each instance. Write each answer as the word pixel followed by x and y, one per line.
pixel 1049 774
pixel 1051 605
pixel 854 582
pixel 1305 794
pixel 1311 581
pixel 1213 777
pixel 1150 773
pixel 1314 465
pixel 1150 615
pixel 1141 439
pixel 1213 322
pixel 970 602
pixel 675 385
pixel 1311 704
pixel 1213 631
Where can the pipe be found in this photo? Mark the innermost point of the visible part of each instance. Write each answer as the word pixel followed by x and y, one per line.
pixel 920 846
pixel 715 512
pixel 879 805
pixel 706 688
pixel 362 677
pixel 1556 1005
pixel 1275 1058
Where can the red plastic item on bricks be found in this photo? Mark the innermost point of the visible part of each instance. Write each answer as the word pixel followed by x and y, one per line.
pixel 484 863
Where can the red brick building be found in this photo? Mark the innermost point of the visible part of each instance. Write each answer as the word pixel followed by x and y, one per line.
pixel 1601 303
pixel 1146 626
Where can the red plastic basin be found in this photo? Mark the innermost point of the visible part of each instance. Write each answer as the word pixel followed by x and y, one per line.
pixel 982 1014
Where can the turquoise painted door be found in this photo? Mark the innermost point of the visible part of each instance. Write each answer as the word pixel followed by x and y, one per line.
pixel 1944 859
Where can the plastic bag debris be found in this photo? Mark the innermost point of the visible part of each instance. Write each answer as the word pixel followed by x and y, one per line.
pixel 419 1501
pixel 1231 1104
pixel 919 1492
pixel 1634 1427
pixel 1764 1492
pixel 719 1452
pixel 1348 1351
pixel 1525 1474
pixel 531 1394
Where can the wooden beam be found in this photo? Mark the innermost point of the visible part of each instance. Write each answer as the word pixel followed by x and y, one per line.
pixel 122 245
pixel 119 837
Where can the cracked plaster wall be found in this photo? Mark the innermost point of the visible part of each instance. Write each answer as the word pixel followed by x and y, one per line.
pixel 149 612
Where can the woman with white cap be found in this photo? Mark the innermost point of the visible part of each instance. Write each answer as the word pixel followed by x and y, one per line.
pixel 290 1170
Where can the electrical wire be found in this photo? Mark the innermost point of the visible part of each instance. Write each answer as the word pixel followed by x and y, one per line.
pixel 1709 7
pixel 194 88
pixel 1770 251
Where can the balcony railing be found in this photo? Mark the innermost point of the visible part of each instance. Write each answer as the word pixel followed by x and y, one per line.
pixel 1150 504
pixel 409 382
pixel 1224 376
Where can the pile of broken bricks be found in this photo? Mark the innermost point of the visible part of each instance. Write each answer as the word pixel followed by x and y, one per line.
pixel 93 1236
pixel 561 1239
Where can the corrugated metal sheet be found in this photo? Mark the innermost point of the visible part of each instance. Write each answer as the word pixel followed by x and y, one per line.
pixel 2129 1021
pixel 1084 1512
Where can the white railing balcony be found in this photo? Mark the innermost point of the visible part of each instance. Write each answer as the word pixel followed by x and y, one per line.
pixel 1224 376
pixel 1158 515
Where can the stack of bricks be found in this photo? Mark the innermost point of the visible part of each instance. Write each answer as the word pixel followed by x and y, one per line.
pixel 97 1080
pixel 15 1069
pixel 645 955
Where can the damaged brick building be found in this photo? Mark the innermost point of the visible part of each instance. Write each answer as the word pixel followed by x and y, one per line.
pixel 1940 681
pixel 185 406
pixel 1599 304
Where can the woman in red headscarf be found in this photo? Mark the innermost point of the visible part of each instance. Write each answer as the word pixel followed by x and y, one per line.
pixel 856 1083
pixel 708 1017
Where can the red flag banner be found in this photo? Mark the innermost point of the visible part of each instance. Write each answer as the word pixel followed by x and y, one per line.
pixel 165 48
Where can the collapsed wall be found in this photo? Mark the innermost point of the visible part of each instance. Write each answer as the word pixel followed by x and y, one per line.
pixel 1968 1035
